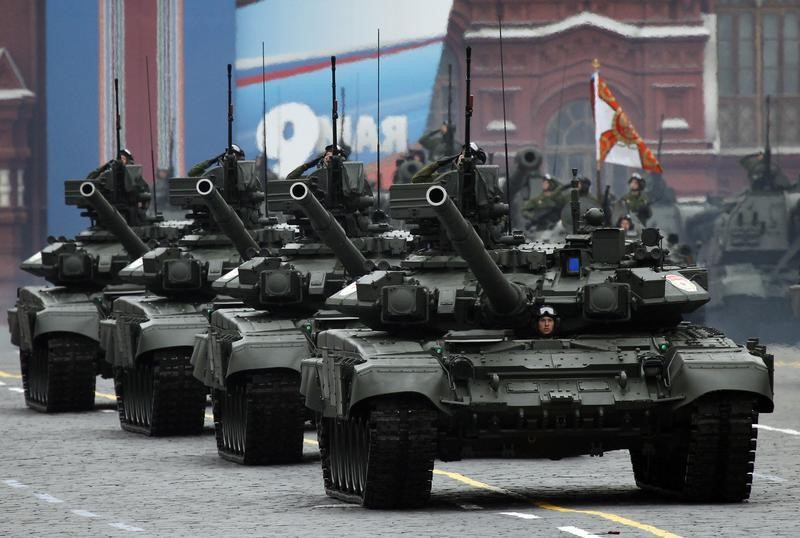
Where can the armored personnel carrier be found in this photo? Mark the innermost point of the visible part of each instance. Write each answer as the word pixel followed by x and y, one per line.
pixel 148 340
pixel 56 327
pixel 251 357
pixel 454 362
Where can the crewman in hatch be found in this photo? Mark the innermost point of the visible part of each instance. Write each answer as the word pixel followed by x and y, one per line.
pixel 546 321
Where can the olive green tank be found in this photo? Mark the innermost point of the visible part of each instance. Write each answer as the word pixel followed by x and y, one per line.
pixel 56 327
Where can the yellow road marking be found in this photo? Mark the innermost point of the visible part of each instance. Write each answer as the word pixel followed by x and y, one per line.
pixel 789 364
pixel 310 442
pixel 10 375
pixel 107 396
pixel 547 506
pixel 210 416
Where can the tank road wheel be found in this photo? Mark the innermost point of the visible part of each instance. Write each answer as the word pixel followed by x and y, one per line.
pixel 160 396
pixel 382 459
pixel 259 419
pixel 712 456
pixel 59 374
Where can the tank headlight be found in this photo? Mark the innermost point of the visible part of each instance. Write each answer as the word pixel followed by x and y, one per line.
pixel 407 304
pixel 181 274
pixel 74 266
pixel 607 301
pixel 282 286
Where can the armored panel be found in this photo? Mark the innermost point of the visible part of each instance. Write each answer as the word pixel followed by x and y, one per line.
pixel 608 245
pixel 279 198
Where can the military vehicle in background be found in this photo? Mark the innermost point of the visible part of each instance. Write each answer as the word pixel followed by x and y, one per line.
pixel 451 365
pixel 753 255
pixel 250 358
pixel 56 327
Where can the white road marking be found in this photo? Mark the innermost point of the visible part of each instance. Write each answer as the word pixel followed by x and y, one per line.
pixel 84 513
pixel 16 389
pixel 14 484
pixel 108 410
pixel 780 430
pixel 2 384
pixel 521 515
pixel 469 506
pixel 47 498
pixel 125 527
pixel 770 477
pixel 578 532
pixel 343 505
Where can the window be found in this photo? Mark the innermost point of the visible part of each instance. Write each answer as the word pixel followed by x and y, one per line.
pixel 758 54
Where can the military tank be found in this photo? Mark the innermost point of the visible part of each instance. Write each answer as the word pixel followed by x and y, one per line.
pixel 148 340
pixel 56 327
pixel 250 358
pixel 452 365
pixel 753 255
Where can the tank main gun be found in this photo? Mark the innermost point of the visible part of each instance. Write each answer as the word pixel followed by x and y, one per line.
pixel 110 218
pixel 330 231
pixel 227 219
pixel 505 298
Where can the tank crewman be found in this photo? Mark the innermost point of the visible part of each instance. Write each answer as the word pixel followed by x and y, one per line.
pixel 437 143
pixel 584 191
pixel 636 200
pixel 125 157
pixel 430 172
pixel 546 320
pixel 320 161
pixel 544 210
pixel 202 167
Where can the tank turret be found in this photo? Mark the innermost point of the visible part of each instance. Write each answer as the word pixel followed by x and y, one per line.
pixel 227 219
pixel 330 231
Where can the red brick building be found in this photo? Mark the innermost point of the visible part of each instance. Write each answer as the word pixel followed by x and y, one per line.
pixel 23 178
pixel 702 66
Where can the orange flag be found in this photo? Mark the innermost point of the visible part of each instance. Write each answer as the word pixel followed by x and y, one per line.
pixel 616 138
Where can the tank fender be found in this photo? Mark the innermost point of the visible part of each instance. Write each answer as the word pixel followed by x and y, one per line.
pixel 13 326
pixel 311 384
pixel 170 331
pixel 107 330
pixel 205 368
pixel 695 373
pixel 267 350
pixel 83 319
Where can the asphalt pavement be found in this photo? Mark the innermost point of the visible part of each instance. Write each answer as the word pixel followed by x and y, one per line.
pixel 79 474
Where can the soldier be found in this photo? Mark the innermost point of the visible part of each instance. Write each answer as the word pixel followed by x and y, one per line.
pixel 546 319
pixel 125 157
pixel 430 172
pixel 202 167
pixel 437 142
pixel 320 161
pixel 636 200
pixel 626 223
pixel 544 210
pixel 584 191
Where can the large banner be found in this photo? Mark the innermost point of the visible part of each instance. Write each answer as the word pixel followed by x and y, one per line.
pixel 299 38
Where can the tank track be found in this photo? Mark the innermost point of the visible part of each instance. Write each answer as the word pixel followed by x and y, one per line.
pixel 381 460
pixel 712 457
pixel 60 373
pixel 160 396
pixel 258 419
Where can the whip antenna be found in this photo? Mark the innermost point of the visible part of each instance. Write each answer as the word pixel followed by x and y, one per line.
pixel 116 108
pixel 150 121
pixel 505 122
pixel 378 180
pixel 335 107
pixel 264 119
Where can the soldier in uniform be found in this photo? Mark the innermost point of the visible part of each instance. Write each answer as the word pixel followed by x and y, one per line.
pixel 544 210
pixel 546 320
pixel 636 200
pixel 125 157
pixel 432 171
pixel 320 161
pixel 437 142
pixel 202 167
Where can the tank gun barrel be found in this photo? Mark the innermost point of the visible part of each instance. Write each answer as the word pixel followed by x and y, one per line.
pixel 330 231
pixel 505 297
pixel 227 219
pixel 111 219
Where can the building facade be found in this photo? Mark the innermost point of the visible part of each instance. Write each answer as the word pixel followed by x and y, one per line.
pixel 692 76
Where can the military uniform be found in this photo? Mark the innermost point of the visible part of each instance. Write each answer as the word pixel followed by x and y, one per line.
pixel 638 204
pixel 544 210
pixel 298 172
pixel 200 168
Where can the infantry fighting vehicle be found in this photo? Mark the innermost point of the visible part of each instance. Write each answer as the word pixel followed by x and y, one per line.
pixel 450 365
pixel 149 339
pixel 251 357
pixel 56 327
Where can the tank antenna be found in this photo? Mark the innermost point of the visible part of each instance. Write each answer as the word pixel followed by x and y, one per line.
pixel 150 121
pixel 468 107
pixel 558 118
pixel 450 135
pixel 116 108
pixel 378 150
pixel 505 122
pixel 264 119
pixel 230 112
pixel 335 106
pixel 768 151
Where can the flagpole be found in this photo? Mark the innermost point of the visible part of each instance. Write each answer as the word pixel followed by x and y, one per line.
pixel 598 163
